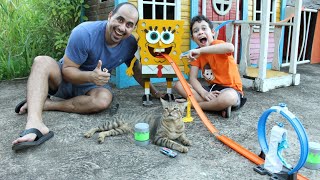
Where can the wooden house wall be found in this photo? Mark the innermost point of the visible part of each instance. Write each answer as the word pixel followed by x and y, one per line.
pixel 185 16
pixel 250 10
pixel 99 10
pixel 255 48
pixel 315 53
pixel 213 16
pixel 255 37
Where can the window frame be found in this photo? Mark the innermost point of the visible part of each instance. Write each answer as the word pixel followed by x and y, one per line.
pixel 218 11
pixel 176 4
pixel 273 13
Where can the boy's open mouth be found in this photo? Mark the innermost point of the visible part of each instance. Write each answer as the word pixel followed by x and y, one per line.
pixel 203 41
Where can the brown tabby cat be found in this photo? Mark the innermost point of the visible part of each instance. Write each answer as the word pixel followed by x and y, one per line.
pixel 164 130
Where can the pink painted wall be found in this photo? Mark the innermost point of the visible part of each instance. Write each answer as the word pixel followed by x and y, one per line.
pixel 255 47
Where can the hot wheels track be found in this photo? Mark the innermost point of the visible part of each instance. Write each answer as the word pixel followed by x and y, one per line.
pixel 227 141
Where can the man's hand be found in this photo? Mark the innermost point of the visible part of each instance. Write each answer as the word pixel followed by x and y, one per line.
pixel 101 77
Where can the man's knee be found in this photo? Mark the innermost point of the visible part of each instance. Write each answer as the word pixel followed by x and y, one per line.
pixel 43 61
pixel 39 59
pixel 101 100
pixel 101 104
pixel 44 67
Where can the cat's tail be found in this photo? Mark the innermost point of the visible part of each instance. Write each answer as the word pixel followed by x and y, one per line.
pixel 108 125
pixel 123 129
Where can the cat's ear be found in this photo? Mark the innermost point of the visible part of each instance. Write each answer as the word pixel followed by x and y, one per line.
pixel 163 102
pixel 183 106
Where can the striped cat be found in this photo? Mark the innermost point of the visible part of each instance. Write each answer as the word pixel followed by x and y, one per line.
pixel 164 130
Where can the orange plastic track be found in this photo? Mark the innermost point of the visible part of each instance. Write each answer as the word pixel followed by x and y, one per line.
pixel 227 141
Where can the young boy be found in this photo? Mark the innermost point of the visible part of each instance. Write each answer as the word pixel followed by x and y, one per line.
pixel 214 58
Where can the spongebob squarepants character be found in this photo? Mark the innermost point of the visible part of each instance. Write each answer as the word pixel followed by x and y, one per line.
pixel 157 37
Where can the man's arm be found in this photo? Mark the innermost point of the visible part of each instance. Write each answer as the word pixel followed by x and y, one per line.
pixel 73 74
pixel 137 69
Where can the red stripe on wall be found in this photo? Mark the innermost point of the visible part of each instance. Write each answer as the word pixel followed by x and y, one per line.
pixel 315 54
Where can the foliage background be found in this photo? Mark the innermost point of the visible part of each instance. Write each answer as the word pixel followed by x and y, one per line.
pixel 29 28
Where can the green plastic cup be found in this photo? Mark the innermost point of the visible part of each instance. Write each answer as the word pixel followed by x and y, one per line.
pixel 313 160
pixel 141 134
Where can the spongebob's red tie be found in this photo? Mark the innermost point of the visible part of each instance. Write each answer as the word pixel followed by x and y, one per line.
pixel 159 74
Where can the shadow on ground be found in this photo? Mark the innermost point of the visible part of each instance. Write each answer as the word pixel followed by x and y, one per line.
pixel 71 156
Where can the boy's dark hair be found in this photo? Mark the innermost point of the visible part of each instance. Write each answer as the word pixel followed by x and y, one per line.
pixel 200 18
pixel 115 10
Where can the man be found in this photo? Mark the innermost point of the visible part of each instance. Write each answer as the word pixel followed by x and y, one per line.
pixel 81 77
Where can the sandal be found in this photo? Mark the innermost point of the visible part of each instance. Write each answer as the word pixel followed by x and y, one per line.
pixel 20 104
pixel 226 113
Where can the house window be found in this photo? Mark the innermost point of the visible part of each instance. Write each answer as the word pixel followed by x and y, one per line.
pixel 222 7
pixel 159 9
pixel 257 13
pixel 257 10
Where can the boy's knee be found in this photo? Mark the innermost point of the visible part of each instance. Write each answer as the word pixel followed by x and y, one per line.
pixel 234 97
pixel 231 97
pixel 177 85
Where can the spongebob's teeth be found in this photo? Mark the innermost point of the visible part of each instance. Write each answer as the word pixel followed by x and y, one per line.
pixel 159 50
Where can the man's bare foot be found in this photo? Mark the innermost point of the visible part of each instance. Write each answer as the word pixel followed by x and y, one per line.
pixel 24 107
pixel 31 137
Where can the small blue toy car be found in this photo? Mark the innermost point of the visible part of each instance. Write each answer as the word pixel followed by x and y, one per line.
pixel 168 152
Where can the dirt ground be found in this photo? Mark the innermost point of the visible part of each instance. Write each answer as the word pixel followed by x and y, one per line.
pixel 68 155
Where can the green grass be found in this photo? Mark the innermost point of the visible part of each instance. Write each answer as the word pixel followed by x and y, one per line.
pixel 29 28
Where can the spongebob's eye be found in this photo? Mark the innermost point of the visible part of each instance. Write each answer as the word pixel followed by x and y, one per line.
pixel 153 37
pixel 167 37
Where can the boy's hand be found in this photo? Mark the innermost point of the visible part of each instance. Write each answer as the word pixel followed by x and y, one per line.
pixel 158 95
pixel 209 96
pixel 101 77
pixel 193 54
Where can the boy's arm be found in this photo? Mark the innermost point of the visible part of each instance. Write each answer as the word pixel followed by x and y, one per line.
pixel 195 82
pixel 221 48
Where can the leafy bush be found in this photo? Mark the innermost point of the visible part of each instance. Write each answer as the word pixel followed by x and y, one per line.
pixel 64 16
pixel 29 28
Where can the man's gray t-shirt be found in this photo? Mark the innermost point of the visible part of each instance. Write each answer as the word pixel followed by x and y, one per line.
pixel 87 45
